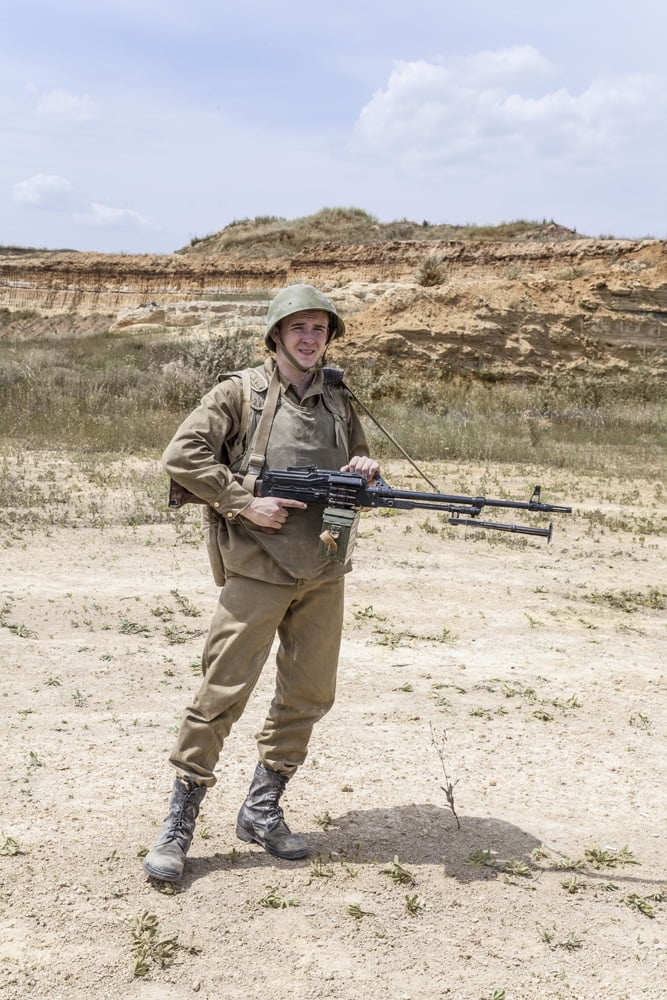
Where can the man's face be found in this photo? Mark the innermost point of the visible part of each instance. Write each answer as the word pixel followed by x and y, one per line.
pixel 305 335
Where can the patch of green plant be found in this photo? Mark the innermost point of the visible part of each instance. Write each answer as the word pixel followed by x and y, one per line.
pixel 355 910
pixel 566 704
pixel 482 857
pixel 631 600
pixel 185 605
pixel 549 935
pixel 9 847
pixel 148 948
pixel 176 634
pixel 20 630
pixel 513 689
pixel 368 614
pixel 481 713
pixel 431 271
pixel 606 886
pixel 127 627
pixel 644 904
pixel 574 885
pixel 413 905
pixel 600 857
pixel 568 864
pixel 516 867
pixel 272 900
pixel 398 873
pixel 320 869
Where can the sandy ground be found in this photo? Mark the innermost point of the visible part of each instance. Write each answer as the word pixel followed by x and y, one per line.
pixel 534 673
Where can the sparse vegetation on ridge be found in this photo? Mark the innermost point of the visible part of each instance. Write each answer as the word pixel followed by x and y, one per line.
pixel 274 236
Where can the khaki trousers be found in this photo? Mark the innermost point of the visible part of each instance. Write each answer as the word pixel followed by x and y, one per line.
pixel 308 618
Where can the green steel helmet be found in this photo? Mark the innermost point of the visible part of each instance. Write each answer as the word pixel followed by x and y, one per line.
pixel 293 299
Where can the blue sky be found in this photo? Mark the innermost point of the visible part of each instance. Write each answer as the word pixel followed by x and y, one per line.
pixel 134 126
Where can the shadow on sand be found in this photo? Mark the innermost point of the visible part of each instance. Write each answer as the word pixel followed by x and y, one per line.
pixel 416 834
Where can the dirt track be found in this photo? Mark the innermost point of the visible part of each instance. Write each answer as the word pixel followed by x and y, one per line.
pixel 544 667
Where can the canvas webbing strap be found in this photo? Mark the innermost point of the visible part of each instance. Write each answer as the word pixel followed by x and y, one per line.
pixel 254 460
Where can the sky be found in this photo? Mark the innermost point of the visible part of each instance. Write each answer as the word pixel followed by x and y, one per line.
pixel 134 126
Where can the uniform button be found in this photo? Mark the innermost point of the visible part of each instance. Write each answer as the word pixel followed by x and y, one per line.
pixel 230 513
pixel 216 504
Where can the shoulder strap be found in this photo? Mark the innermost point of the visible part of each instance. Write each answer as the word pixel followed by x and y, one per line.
pixel 254 385
pixel 335 393
pixel 253 460
pixel 245 403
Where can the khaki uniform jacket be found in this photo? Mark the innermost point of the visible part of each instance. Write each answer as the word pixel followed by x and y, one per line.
pixel 319 429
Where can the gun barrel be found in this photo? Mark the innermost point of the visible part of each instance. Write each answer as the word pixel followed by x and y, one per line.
pixel 384 496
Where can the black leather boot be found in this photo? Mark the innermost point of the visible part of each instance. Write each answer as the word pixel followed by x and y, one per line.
pixel 166 860
pixel 261 819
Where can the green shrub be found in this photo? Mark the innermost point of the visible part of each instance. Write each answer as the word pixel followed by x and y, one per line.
pixel 431 272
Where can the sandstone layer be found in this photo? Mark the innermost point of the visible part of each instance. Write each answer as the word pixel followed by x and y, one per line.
pixel 502 309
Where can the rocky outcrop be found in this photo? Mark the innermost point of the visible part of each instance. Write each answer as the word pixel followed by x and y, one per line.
pixel 504 309
pixel 514 328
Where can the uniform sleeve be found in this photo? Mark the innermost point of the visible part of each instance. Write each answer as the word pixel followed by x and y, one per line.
pixel 195 457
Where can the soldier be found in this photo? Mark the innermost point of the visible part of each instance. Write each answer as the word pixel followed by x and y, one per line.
pixel 265 551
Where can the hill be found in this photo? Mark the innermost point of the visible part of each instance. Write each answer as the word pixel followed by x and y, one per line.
pixel 274 236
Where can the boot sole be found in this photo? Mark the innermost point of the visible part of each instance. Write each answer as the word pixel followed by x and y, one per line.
pixel 250 838
pixel 162 876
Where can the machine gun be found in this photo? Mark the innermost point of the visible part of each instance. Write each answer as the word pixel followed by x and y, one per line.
pixel 344 494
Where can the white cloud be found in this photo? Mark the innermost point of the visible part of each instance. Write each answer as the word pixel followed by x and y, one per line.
pixel 107 216
pixel 43 190
pixel 500 67
pixel 470 109
pixel 61 106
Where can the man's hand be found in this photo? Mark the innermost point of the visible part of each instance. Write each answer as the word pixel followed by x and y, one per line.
pixel 270 513
pixel 365 466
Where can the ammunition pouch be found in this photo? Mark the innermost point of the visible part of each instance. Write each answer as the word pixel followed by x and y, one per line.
pixel 338 535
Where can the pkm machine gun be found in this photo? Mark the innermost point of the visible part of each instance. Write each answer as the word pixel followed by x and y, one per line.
pixel 344 494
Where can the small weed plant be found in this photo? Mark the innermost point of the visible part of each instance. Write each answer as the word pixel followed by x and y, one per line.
pixel 273 901
pixel 148 948
pixel 398 873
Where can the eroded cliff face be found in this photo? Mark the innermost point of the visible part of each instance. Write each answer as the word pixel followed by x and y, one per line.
pixel 508 309
pixel 601 314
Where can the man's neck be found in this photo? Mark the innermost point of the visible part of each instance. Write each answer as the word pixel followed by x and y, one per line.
pixel 300 380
